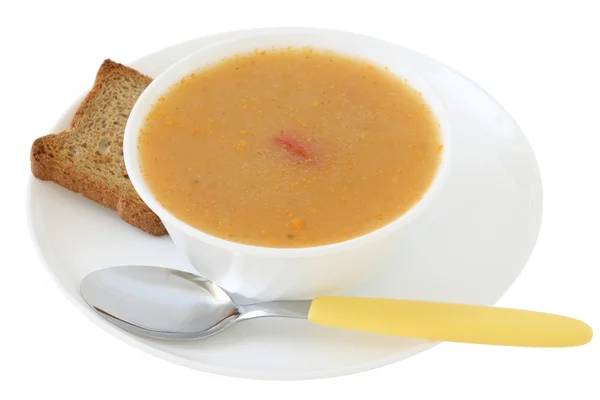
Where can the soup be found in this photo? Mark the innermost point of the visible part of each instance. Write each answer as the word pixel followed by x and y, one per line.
pixel 289 148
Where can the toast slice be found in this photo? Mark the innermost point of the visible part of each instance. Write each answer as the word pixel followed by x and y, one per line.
pixel 87 158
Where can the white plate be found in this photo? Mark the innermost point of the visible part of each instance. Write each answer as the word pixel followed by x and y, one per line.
pixel 468 247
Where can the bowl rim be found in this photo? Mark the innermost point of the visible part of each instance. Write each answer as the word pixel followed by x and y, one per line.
pixel 214 53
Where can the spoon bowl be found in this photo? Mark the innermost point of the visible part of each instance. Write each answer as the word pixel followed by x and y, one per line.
pixel 171 304
pixel 159 302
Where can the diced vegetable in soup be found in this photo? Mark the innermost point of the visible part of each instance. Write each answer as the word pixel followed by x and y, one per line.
pixel 289 148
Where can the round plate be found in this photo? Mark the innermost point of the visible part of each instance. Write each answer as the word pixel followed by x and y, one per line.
pixel 468 247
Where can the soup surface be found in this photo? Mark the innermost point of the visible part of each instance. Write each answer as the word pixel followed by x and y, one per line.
pixel 289 148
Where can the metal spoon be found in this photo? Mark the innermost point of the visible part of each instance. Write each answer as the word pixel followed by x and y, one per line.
pixel 170 304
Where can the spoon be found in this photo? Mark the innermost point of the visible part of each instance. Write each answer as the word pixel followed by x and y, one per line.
pixel 170 304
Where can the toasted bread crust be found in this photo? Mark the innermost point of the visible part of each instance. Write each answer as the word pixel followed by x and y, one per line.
pixel 47 167
pixel 107 69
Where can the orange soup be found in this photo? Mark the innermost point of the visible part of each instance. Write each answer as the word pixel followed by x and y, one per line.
pixel 289 148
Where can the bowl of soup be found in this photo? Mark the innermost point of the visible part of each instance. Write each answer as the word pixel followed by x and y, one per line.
pixel 286 165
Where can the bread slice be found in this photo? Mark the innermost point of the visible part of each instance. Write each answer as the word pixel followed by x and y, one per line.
pixel 87 158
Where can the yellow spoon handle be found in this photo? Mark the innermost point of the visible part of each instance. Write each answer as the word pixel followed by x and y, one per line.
pixel 449 322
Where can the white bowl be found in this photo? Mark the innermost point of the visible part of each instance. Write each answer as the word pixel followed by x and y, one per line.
pixel 281 273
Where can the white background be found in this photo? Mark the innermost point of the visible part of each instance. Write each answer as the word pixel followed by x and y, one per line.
pixel 541 60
